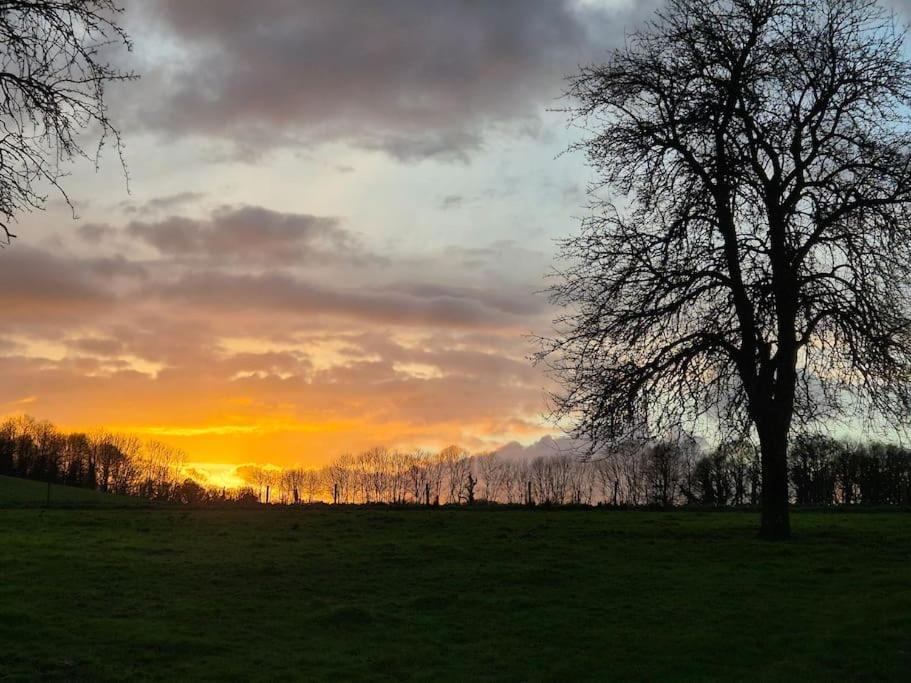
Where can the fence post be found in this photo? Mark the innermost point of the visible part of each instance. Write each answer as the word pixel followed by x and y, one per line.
pixel 335 494
pixel 427 494
pixel 528 494
pixel 267 494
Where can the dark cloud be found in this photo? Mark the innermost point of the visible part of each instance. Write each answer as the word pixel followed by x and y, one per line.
pixel 399 305
pixel 37 285
pixel 256 269
pixel 414 78
pixel 95 233
pixel 510 302
pixel 452 201
pixel 250 234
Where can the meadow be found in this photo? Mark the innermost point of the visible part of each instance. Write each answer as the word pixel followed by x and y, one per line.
pixel 101 590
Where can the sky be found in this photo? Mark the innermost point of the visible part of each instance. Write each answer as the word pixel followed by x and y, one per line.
pixel 336 231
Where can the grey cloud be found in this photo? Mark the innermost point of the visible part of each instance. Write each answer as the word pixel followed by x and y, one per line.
pixel 453 146
pixel 280 293
pixel 35 284
pixel 452 201
pixel 165 203
pixel 545 447
pixel 95 233
pixel 513 303
pixel 416 79
pixel 249 234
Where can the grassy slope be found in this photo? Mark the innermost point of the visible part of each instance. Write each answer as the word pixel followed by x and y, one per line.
pixel 172 594
pixel 16 492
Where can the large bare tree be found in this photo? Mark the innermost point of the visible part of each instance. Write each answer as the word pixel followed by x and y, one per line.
pixel 53 71
pixel 752 268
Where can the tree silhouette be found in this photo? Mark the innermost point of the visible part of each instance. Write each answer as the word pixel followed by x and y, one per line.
pixel 754 270
pixel 53 73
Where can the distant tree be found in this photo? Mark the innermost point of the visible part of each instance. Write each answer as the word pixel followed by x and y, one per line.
pixel 418 476
pixel 107 459
pixel 76 456
pixel 513 482
pixel 312 485
pixel 756 266
pixel 848 459
pixel 53 74
pixel 664 463
pixel 490 472
pixel 190 493
pixel 7 448
pixel 338 478
pixel 159 469
pixel 467 495
pixel 456 467
pixel 720 477
pixel 246 496
pixel 813 458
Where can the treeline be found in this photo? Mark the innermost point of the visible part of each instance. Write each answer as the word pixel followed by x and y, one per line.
pixel 112 463
pixel 662 474
pixel 824 471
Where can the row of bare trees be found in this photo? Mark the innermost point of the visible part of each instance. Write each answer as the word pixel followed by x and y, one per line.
pixel 663 474
pixel 109 462
pixel 823 471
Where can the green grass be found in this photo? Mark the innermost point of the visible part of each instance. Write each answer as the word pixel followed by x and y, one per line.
pixel 174 594
pixel 16 492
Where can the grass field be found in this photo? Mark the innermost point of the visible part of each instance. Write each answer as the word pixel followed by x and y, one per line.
pixel 24 493
pixel 172 594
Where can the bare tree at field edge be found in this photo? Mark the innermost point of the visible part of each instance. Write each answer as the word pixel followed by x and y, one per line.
pixel 755 271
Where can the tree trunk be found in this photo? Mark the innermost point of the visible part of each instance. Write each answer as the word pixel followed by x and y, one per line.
pixel 776 523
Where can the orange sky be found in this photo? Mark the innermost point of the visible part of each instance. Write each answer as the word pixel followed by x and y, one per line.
pixel 225 404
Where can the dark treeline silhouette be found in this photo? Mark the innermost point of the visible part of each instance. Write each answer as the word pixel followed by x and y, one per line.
pixel 823 471
pixel 108 462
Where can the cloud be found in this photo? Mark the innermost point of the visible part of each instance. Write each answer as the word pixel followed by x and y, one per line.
pixel 99 346
pixel 248 233
pixel 255 335
pixel 545 447
pixel 418 304
pixel 413 78
pixel 164 203
pixel 287 412
pixel 37 285
pixel 95 233
pixel 452 201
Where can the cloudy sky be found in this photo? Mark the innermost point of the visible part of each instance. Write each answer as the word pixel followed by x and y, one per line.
pixel 340 214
